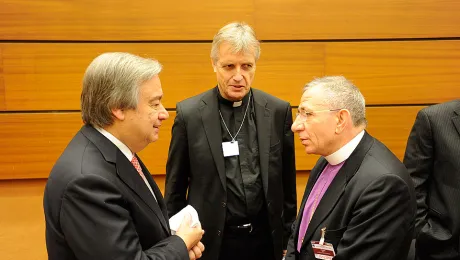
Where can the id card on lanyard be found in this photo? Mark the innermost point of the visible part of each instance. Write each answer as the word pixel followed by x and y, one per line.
pixel 321 249
pixel 230 148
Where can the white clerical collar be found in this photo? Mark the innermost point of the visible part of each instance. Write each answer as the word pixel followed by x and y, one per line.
pixel 237 103
pixel 343 153
pixel 123 148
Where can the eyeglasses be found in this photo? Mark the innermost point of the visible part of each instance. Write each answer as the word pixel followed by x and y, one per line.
pixel 303 115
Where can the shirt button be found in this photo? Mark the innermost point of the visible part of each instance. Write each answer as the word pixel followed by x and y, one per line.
pixel 224 204
pixel 218 232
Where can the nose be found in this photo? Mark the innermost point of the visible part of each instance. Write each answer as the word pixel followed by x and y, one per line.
pixel 238 76
pixel 163 115
pixel 297 126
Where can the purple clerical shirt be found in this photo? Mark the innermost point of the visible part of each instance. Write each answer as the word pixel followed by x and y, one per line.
pixel 321 185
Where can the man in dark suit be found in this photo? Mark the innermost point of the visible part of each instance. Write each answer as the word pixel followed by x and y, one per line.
pixel 433 161
pixel 359 201
pixel 100 201
pixel 232 157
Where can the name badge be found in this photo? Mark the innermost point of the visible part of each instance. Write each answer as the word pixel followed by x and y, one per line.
pixel 323 251
pixel 230 148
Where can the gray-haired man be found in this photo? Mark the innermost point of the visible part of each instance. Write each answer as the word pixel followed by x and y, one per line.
pixel 232 157
pixel 100 200
pixel 359 202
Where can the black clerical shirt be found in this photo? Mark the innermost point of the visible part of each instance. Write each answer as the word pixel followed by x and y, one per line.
pixel 245 197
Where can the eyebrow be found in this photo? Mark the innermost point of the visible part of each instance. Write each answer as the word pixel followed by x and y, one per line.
pixel 155 98
pixel 223 63
pixel 302 108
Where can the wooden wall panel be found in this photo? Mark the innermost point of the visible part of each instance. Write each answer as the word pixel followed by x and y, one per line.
pixel 118 19
pixel 200 20
pixel 2 83
pixel 284 68
pixel 48 76
pixel 31 143
pixel 392 125
pixel 22 222
pixel 398 72
pixel 356 19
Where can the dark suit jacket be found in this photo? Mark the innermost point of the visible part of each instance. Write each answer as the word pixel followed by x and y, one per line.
pixel 196 163
pixel 368 210
pixel 98 207
pixel 433 160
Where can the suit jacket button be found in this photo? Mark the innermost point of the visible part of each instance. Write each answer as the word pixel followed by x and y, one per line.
pixel 224 204
pixel 218 232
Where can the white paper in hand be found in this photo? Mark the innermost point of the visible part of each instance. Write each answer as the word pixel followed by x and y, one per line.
pixel 176 220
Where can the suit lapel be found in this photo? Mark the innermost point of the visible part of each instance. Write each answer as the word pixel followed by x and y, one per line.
pixel 314 174
pixel 263 123
pixel 456 119
pixel 337 187
pixel 158 195
pixel 128 173
pixel 211 123
pixel 131 178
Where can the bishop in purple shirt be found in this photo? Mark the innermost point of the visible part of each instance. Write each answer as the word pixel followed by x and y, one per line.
pixel 359 192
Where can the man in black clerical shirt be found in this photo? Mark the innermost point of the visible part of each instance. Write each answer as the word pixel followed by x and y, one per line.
pixel 232 157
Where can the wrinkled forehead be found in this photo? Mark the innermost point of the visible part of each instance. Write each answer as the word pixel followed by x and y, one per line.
pixel 313 99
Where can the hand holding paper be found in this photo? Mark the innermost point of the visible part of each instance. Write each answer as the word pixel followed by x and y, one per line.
pixel 176 220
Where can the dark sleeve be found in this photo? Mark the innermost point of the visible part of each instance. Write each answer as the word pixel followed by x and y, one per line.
pixel 177 167
pixel 419 163
pixel 379 223
pixel 290 254
pixel 97 225
pixel 289 178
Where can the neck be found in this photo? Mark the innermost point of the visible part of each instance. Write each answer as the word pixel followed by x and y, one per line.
pixel 119 133
pixel 228 99
pixel 346 136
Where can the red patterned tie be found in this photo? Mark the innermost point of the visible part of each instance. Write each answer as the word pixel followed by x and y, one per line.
pixel 136 165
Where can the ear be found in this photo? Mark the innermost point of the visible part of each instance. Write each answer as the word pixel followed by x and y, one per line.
pixel 118 114
pixel 343 119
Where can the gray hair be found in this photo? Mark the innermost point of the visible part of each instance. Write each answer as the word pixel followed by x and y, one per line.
pixel 342 94
pixel 112 81
pixel 240 36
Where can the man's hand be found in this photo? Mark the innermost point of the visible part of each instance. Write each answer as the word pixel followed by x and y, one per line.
pixel 196 252
pixel 190 235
